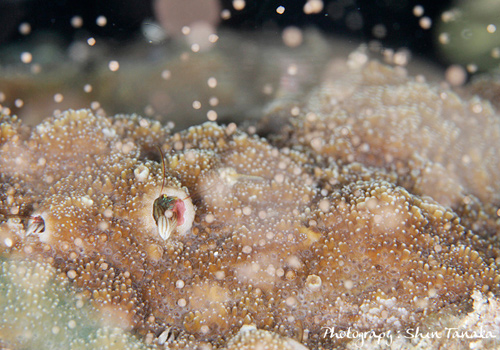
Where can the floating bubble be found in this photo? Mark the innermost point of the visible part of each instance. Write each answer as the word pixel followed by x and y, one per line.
pixel 418 11
pixel 239 4
pixel 101 21
pixel 455 75
pixel 24 28
pixel 113 66
pixel 76 22
pixel 26 57
pixel 292 36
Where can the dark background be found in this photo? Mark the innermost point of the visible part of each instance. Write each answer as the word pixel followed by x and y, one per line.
pixel 124 18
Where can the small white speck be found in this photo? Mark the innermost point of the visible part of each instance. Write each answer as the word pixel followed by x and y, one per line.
pixel 113 66
pixel 26 57
pixel 214 101
pixel 19 103
pixel 425 22
pixel 101 21
pixel 212 115
pixel 196 104
pixel 313 7
pixel 418 11
pixel 225 14
pixel 166 74
pixel 76 21
pixel 212 82
pixel 195 47
pixel 24 28
pixel 239 4
pixel 58 98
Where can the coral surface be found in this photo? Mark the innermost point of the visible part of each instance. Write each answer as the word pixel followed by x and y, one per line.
pixel 372 206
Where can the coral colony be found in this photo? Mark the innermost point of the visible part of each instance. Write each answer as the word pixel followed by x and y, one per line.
pixel 371 208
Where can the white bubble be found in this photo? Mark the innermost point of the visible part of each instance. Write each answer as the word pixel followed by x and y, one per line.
pixel 212 82
pixel 292 36
pixel 24 28
pixel 239 4
pixel 472 68
pixel 195 47
pixel 213 38
pixel 58 98
pixel 313 7
pixel 425 22
pixel 444 38
pixel 212 115
pixel 166 74
pixel 292 69
pixel 225 14
pixel 280 10
pixel 8 242
pixel 76 21
pixel 418 11
pixel 196 104
pixel 455 75
pixel 26 57
pixel 213 101
pixel 113 66
pixel 101 21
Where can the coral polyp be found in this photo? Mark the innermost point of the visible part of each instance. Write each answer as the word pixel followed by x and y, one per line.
pixel 344 217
